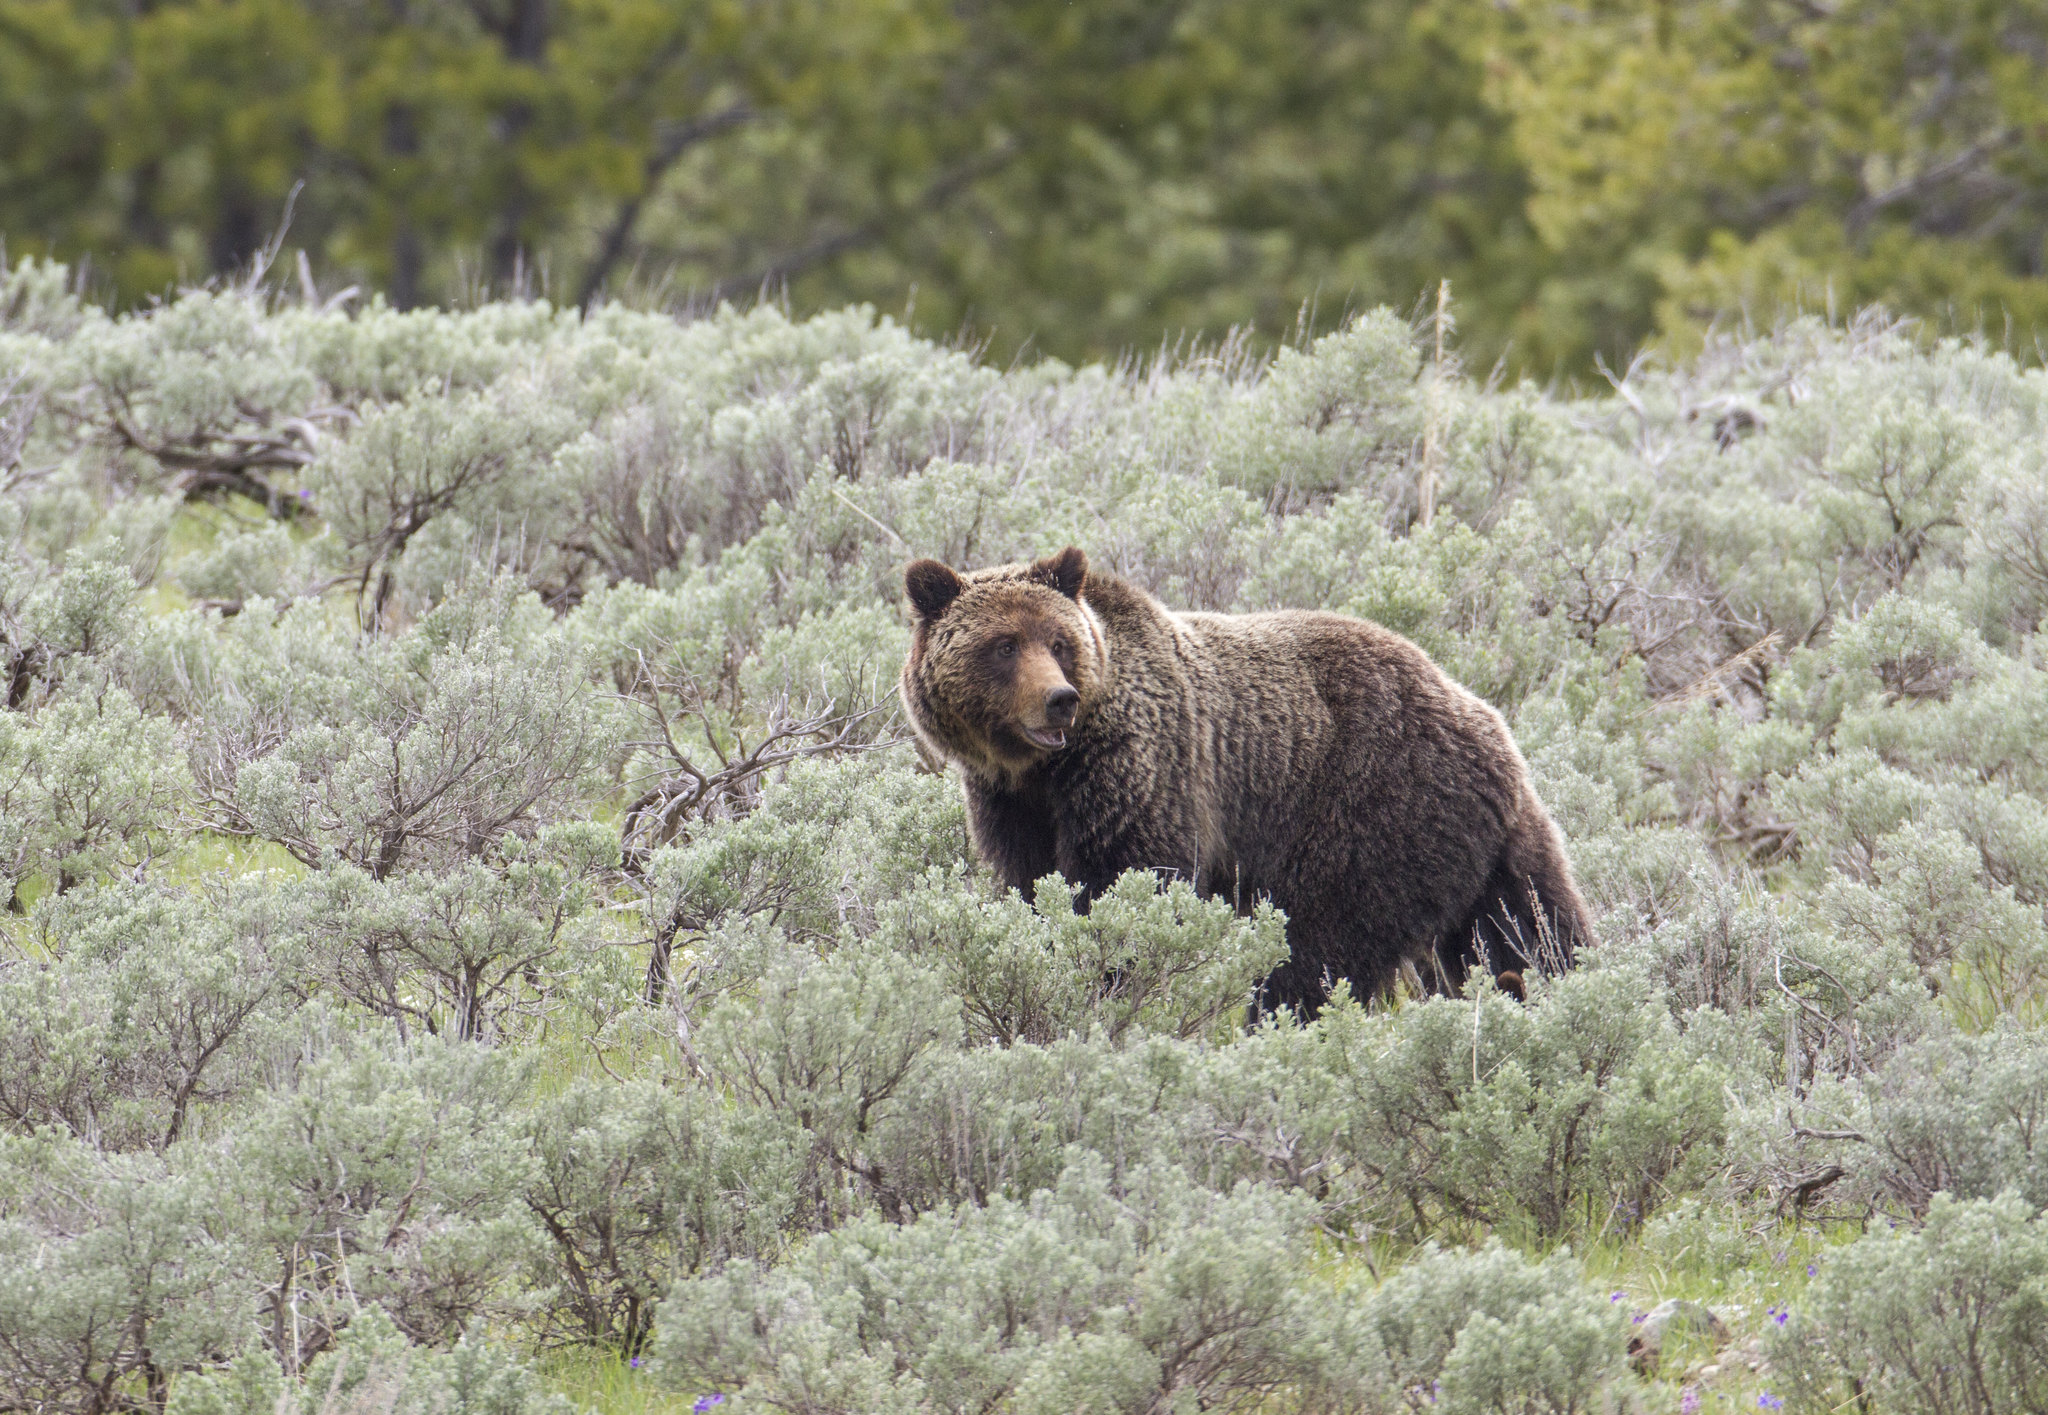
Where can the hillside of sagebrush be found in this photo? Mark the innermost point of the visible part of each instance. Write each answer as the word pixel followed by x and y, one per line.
pixel 477 939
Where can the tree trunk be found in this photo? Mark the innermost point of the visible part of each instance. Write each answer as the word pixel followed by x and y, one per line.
pixel 402 141
pixel 525 37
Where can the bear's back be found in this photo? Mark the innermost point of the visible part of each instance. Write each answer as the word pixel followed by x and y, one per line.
pixel 1319 726
pixel 1334 668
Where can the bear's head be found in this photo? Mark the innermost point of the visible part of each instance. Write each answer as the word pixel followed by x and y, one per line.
pixel 1004 663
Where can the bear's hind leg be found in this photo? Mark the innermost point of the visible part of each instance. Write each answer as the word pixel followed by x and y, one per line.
pixel 1529 917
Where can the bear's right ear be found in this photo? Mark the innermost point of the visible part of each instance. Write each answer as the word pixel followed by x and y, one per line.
pixel 932 586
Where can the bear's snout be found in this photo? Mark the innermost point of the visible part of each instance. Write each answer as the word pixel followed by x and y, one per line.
pixel 1060 706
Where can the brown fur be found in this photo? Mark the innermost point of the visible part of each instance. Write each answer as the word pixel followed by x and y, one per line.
pixel 1318 761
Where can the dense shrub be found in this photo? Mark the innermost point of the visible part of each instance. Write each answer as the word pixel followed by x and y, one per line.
pixel 149 1001
pixel 1492 1332
pixel 1949 1318
pixel 1121 1298
pixel 635 1183
pixel 374 1368
pixel 116 1272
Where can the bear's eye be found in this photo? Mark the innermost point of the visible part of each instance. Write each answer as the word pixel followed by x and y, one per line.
pixel 1007 648
pixel 1060 647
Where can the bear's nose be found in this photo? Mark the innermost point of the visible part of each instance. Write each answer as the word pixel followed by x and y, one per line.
pixel 1060 704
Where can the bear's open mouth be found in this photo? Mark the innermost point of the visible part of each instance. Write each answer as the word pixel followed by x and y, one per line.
pixel 1050 738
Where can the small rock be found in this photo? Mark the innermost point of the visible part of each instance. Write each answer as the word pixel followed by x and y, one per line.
pixel 1674 1317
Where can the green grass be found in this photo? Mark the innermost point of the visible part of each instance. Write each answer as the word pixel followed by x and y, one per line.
pixel 605 1382
pixel 1740 1275
pixel 210 852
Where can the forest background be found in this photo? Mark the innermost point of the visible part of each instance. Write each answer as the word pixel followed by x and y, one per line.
pixel 1080 180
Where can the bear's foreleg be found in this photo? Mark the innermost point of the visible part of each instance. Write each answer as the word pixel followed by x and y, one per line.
pixel 1014 834
pixel 1094 851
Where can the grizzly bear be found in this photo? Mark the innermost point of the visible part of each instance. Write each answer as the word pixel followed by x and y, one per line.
pixel 1322 762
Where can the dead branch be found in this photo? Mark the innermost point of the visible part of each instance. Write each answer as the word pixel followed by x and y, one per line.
pixel 688 792
pixel 233 462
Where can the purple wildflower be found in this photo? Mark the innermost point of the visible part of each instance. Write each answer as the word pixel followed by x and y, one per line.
pixel 635 1362
pixel 1689 1401
pixel 1617 1296
pixel 1812 1271
pixel 705 1402
pixel 1767 1401
pixel 1784 1316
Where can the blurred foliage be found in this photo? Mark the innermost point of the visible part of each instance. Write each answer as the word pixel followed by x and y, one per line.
pixel 1692 162
pixel 1083 179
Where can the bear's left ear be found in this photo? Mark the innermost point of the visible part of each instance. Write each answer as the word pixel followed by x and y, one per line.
pixel 1064 572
